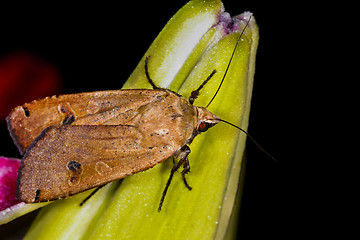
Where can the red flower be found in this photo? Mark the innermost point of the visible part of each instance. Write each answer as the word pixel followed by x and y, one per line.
pixel 23 78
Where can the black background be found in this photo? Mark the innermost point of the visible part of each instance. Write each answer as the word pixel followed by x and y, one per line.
pixel 96 47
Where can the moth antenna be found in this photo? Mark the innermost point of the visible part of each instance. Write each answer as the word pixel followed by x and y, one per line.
pixel 195 93
pixel 148 75
pixel 227 68
pixel 252 139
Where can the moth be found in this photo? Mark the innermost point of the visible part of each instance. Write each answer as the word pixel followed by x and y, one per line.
pixel 75 142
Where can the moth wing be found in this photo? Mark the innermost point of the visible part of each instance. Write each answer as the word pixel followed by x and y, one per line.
pixel 26 122
pixel 69 159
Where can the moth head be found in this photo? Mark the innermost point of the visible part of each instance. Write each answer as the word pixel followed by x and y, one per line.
pixel 206 119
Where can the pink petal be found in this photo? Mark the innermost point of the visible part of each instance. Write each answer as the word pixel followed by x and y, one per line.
pixel 8 174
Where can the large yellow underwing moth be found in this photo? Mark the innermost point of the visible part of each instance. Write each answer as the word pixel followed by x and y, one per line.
pixel 75 142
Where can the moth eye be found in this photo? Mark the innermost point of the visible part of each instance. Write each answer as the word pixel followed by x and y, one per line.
pixel 203 126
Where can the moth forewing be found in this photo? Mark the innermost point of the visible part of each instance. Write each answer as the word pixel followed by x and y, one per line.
pixel 26 122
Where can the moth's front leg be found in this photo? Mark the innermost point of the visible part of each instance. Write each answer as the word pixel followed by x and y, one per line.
pixel 182 155
pixel 186 165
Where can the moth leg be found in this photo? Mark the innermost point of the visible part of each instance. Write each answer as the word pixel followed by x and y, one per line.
pixel 148 75
pixel 195 93
pixel 184 161
pixel 186 170
pixel 90 195
pixel 183 155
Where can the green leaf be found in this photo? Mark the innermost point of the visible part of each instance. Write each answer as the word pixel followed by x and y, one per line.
pixel 65 219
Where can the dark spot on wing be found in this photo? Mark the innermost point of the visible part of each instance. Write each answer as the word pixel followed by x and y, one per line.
pixel 26 111
pixel 37 195
pixel 69 119
pixel 74 166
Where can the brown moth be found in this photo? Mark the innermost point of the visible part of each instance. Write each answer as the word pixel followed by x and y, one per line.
pixel 118 133
pixel 79 141
pixel 75 142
